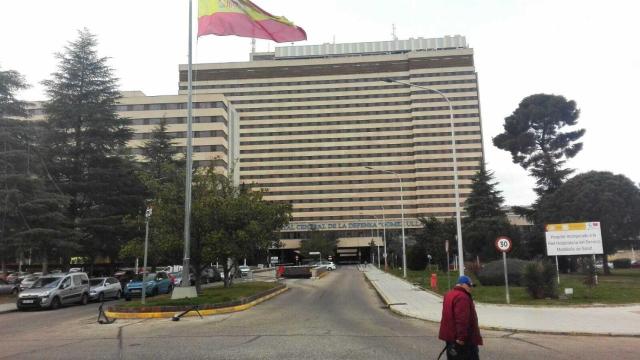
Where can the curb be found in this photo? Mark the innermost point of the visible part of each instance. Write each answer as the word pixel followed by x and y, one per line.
pixel 207 312
pixel 496 328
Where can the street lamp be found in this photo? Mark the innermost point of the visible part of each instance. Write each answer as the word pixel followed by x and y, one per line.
pixel 147 217
pixel 404 252
pixel 384 239
pixel 455 166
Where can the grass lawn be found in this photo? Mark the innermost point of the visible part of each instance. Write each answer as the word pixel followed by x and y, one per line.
pixel 215 295
pixel 621 287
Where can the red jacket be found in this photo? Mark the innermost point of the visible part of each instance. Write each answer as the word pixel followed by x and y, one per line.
pixel 459 318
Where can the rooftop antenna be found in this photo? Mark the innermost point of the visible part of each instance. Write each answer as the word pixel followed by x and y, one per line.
pixel 393 32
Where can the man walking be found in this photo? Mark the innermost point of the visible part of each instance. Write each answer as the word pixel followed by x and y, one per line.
pixel 459 324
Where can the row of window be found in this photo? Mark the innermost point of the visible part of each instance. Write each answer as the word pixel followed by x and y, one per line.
pixel 353 173
pixel 351 181
pixel 364 121
pixel 210 163
pixel 179 120
pixel 376 207
pixel 374 198
pixel 344 81
pixel 171 106
pixel 183 134
pixel 332 89
pixel 346 97
pixel 271 71
pixel 357 113
pixel 357 138
pixel 355 105
pixel 340 165
pixel 196 148
pixel 352 156
pixel 357 147
pixel 388 217
pixel 316 191
pixel 352 130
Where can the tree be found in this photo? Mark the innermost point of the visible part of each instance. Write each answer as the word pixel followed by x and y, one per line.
pixel 166 225
pixel 485 219
pixel 228 222
pixel 432 239
pixel 534 137
pixel 159 151
pixel 324 242
pixel 11 82
pixel 613 200
pixel 86 141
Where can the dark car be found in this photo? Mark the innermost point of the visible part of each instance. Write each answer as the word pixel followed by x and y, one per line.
pixel 124 277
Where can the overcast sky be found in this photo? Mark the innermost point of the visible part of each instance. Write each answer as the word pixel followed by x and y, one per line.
pixel 585 50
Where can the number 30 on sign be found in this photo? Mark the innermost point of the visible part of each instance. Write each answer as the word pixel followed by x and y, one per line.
pixel 503 244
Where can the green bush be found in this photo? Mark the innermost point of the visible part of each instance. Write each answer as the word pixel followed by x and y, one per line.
pixel 417 258
pixel 539 279
pixel 622 263
pixel 492 273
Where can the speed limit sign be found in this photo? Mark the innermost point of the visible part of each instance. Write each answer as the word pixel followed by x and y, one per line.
pixel 503 244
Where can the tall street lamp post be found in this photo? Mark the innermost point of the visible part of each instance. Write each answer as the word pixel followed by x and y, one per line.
pixel 384 239
pixel 455 166
pixel 147 217
pixel 404 248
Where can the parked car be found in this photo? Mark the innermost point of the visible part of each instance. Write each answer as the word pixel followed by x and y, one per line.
pixel 28 281
pixel 635 264
pixel 52 291
pixel 104 287
pixel 6 288
pixel 16 277
pixel 599 265
pixel 155 283
pixel 328 264
pixel 124 277
pixel 244 270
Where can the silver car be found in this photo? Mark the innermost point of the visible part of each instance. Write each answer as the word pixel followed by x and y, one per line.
pixel 28 281
pixel 52 291
pixel 6 288
pixel 104 287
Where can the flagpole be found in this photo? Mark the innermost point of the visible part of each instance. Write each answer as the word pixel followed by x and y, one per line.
pixel 186 282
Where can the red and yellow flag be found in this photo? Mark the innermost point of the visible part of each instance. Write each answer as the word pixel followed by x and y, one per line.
pixel 244 18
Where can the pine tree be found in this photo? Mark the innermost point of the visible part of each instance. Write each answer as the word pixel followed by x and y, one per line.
pixel 532 134
pixel 12 159
pixel 486 220
pixel 159 151
pixel 86 142
pixel 484 199
pixel 11 82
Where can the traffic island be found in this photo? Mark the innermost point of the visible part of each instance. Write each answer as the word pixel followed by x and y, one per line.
pixel 214 301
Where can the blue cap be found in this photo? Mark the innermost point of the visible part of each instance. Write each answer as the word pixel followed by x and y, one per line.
pixel 464 279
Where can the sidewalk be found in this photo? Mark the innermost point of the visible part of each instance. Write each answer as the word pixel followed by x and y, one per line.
pixel 4 308
pixel 409 300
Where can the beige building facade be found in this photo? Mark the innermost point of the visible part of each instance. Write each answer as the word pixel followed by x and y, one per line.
pixel 322 129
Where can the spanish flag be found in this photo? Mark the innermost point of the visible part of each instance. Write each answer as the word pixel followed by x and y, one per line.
pixel 244 18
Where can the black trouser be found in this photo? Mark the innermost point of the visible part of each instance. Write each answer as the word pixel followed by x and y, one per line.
pixel 462 352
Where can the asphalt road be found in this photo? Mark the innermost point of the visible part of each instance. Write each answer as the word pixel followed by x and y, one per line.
pixel 336 317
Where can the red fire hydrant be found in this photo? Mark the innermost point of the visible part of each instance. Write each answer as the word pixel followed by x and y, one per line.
pixel 280 271
pixel 434 281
